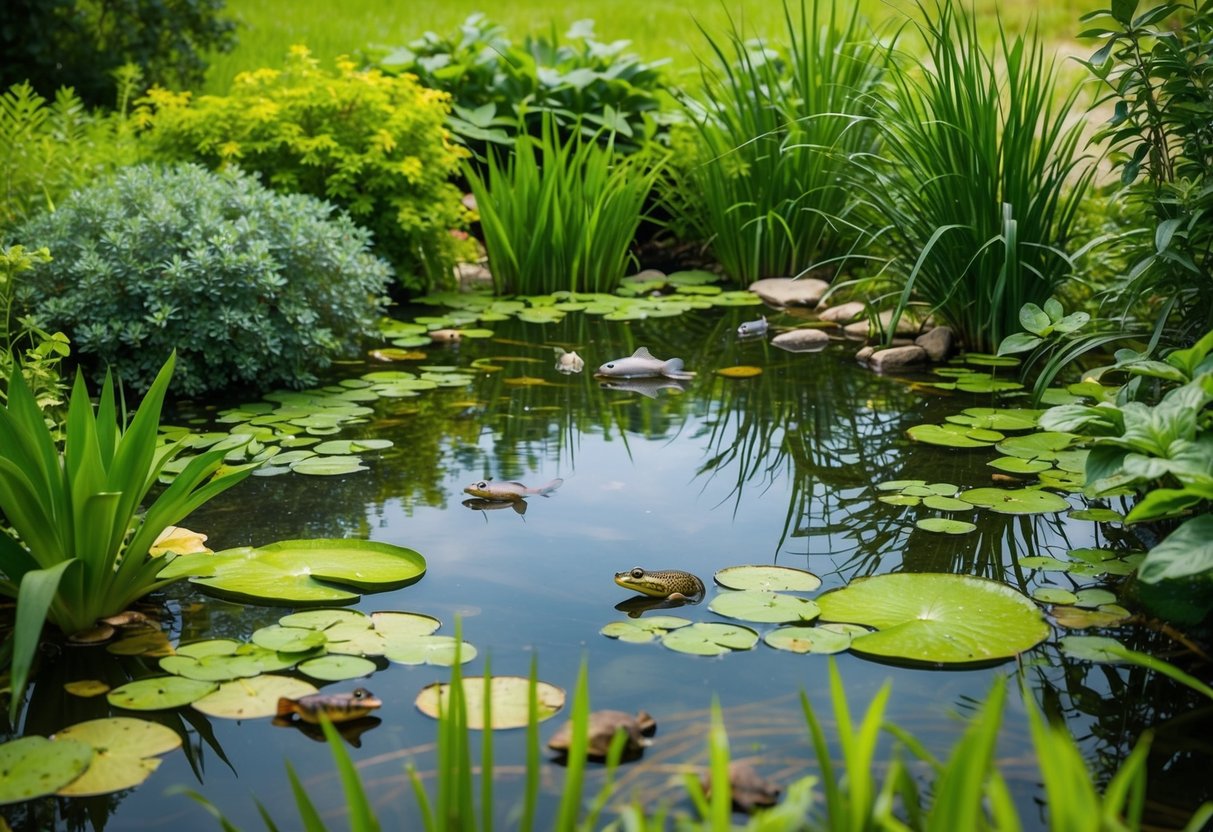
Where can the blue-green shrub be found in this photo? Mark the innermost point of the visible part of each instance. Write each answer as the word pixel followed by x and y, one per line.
pixel 249 286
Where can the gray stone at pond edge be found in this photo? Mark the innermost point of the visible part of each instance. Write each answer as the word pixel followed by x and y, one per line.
pixel 647 274
pixel 865 355
pixel 472 275
pixel 896 358
pixel 789 291
pixel 843 314
pixel 907 324
pixel 937 343
pixel 801 340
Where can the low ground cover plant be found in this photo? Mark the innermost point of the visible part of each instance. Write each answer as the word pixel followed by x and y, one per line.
pixel 761 174
pixel 374 144
pixel 24 346
pixel 252 288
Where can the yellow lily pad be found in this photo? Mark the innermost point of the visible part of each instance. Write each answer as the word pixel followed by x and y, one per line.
pixel 87 688
pixel 252 698
pixel 508 696
pixel 740 371
pixel 126 752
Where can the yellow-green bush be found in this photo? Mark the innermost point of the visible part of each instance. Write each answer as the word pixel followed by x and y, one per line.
pixel 374 144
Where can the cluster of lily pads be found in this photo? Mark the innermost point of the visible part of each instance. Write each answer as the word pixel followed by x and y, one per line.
pixel 932 619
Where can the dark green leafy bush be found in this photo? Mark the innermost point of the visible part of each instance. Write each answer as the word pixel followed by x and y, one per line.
pixel 374 144
pixel 495 86
pixel 79 43
pixel 250 287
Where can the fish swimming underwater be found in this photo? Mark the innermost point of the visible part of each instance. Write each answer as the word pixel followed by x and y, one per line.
pixel 445 336
pixel 642 364
pixel 648 387
pixel 338 707
pixel 568 362
pixel 751 329
pixel 502 492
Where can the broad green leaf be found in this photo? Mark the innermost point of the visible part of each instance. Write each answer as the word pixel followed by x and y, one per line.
pixel 763 605
pixel 126 753
pixel 1016 501
pixel 808 640
pixel 508 695
pixel 252 698
pixel 35 766
pixel 776 578
pixel 159 693
pixel 710 639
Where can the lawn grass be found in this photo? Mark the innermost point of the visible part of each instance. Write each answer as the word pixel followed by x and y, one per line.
pixel 657 28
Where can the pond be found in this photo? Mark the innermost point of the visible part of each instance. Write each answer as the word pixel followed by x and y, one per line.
pixel 780 468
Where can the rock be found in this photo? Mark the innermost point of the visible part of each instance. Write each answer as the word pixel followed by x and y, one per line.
pixel 865 355
pixel 749 789
pixel 472 275
pixel 844 314
pixel 790 291
pixel 646 275
pixel 801 340
pixel 601 729
pixel 937 343
pixel 907 324
pixel 897 358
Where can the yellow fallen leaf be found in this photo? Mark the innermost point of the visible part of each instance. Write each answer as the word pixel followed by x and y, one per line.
pixel 179 541
pixel 87 687
pixel 740 372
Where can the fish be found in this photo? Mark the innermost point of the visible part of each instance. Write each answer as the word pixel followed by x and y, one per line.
pixel 338 707
pixel 568 362
pixel 648 387
pixel 478 504
pixel 507 491
pixel 751 329
pixel 445 336
pixel 642 364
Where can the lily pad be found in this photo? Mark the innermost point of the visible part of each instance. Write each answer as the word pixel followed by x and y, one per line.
pixel 337 668
pixel 289 639
pixel 300 572
pixel 151 641
pixel 1042 445
pixel 394 625
pixel 125 749
pixel 808 640
pixel 1017 501
pixel 937 618
pixel 213 668
pixel 953 436
pixel 159 693
pixel 435 650
pixel 1053 595
pixel 1098 515
pixel 763 605
pixel 341 447
pixel 1092 648
pixel 900 499
pixel 328 466
pixel 87 688
pixel 1000 419
pixel 252 698
pixel 739 371
pixel 1077 618
pixel 508 696
pixel 710 639
pixel 945 525
pixel 775 578
pixel 35 766
pixel 898 485
pixel 939 503
pixel 1046 563
pixel 1094 597
pixel 638 631
pixel 1018 465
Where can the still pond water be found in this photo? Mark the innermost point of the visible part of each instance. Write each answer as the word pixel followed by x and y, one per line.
pixel 779 468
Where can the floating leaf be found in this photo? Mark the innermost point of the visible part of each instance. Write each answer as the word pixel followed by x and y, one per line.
pixel 741 371
pixel 1016 501
pixel 329 466
pixel 980 359
pixel 150 641
pixel 529 381
pixel 945 525
pixel 898 485
pixel 710 639
pixel 900 499
pixel 252 698
pixel 159 693
pixel 1077 618
pixel 643 629
pixel 393 625
pixel 1018 465
pixel 337 668
pixel 1000 419
pixel 179 541
pixel 435 650
pixel 35 766
pixel 1092 648
pixel 1053 595
pixel 1045 563
pixel 775 578
pixel 508 695
pixel 1041 445
pixel 763 605
pixel 86 688
pixel 939 503
pixel 1098 515
pixel 125 749
pixel 351 446
pixel 213 668
pixel 301 572
pixel 808 640
pixel 937 618
pixel 289 639
pixel 953 436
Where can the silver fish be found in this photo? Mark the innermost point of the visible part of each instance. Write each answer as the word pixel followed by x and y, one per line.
pixel 648 387
pixel 506 491
pixel 751 329
pixel 642 364
pixel 568 362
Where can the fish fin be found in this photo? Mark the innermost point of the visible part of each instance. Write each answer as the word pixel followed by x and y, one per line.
pixel 560 351
pixel 550 487
pixel 673 369
pixel 286 708
pixel 519 506
pixel 643 352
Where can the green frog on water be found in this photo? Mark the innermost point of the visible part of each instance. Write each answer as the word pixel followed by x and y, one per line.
pixel 671 584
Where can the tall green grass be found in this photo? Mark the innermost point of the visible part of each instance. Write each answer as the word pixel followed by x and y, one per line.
pixel 775 129
pixel 560 213
pixel 977 186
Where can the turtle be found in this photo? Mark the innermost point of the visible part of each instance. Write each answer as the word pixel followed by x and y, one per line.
pixel 750 790
pixel 601 729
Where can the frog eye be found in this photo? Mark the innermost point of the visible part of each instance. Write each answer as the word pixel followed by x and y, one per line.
pixel 360 693
pixel 638 573
pixel 611 366
pixel 482 484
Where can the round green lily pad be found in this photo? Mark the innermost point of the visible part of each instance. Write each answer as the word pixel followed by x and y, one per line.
pixel 945 525
pixel 252 698
pixel 324 619
pixel 763 605
pixel 213 668
pixel 1077 618
pixel 404 624
pixel 1046 563
pixel 1093 597
pixel 1053 595
pixel 1098 515
pixel 209 647
pixel 898 485
pixel 289 639
pixel 328 466
pixel 337 668
pixel 508 696
pixel 939 503
pixel 1041 445
pixel 953 436
pixel 900 499
pixel 125 756
pixel 86 688
pixel 775 578
pixel 339 447
pixel 1017 500
pixel 937 618
pixel 1092 648
pixel 435 650
pixel 35 766
pixel 301 572
pixel 710 639
pixel 1018 465
pixel 643 629
pixel 808 640
pixel 1001 419
pixel 159 693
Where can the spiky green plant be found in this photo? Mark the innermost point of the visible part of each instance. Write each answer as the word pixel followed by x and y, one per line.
pixel 775 129
pixel 978 183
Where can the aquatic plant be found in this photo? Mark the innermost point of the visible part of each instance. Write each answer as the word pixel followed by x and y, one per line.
pixel 23 344
pixel 560 213
pixel 978 181
pixel 762 177
pixel 78 551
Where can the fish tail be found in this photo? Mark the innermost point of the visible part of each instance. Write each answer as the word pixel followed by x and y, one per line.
pixel 673 369
pixel 286 707
pixel 550 487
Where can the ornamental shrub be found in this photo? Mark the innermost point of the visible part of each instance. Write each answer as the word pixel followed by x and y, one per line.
pixel 249 286
pixel 373 144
